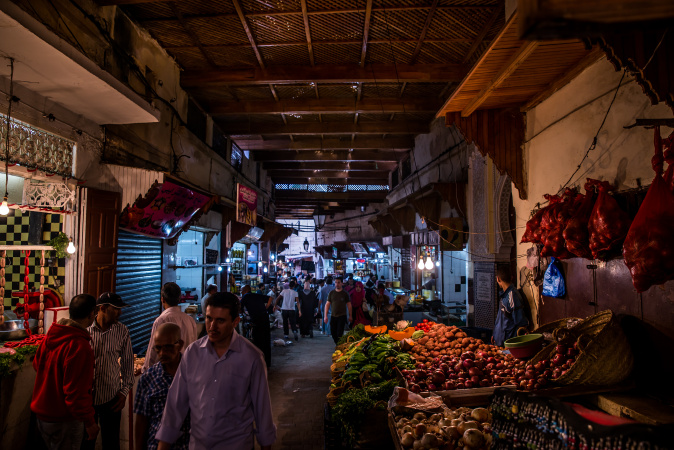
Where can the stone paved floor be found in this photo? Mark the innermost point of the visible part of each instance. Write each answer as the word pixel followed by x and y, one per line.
pixel 299 380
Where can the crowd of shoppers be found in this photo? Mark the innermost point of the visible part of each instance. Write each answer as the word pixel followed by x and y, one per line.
pixel 192 392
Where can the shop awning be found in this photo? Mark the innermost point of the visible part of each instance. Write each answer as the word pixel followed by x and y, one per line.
pixel 405 216
pixel 166 210
pixel 428 207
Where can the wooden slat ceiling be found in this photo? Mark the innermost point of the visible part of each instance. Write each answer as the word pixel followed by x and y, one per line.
pixel 513 72
pixel 346 82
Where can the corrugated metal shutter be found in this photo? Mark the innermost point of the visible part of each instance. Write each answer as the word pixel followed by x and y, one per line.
pixel 139 284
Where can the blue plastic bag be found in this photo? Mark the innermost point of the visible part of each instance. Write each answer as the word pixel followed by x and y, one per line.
pixel 553 282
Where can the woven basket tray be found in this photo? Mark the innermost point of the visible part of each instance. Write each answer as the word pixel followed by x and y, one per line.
pixel 605 355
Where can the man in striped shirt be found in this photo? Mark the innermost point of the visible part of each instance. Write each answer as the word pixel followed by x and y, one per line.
pixel 113 356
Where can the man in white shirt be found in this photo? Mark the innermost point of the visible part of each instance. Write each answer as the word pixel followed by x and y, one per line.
pixel 290 299
pixel 170 297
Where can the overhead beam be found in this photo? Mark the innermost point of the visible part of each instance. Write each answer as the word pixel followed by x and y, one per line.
pixel 424 30
pixel 508 69
pixel 307 31
pixel 483 33
pixel 326 106
pixel 332 181
pixel 190 32
pixel 366 31
pixel 309 155
pixel 399 143
pixel 249 32
pixel 236 129
pixel 329 165
pixel 459 40
pixel 328 196
pixel 324 73
pixel 314 12
pixel 307 174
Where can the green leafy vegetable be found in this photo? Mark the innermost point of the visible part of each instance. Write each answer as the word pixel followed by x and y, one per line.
pixel 21 354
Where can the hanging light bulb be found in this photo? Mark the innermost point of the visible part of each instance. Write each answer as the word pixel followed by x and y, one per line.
pixel 265 269
pixel 227 260
pixel 437 263
pixel 421 263
pixel 4 209
pixel 272 256
pixel 429 263
pixel 71 247
pixel 219 268
pixel 259 263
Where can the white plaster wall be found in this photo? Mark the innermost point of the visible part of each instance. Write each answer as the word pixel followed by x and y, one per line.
pixel 560 130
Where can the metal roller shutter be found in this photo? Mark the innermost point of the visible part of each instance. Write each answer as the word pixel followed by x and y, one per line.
pixel 139 284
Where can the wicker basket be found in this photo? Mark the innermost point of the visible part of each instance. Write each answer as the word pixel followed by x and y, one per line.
pixel 334 394
pixel 605 355
pixel 337 368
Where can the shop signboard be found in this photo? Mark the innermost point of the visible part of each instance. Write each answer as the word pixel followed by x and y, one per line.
pixel 358 247
pixel 246 205
pixel 164 210
pixel 335 253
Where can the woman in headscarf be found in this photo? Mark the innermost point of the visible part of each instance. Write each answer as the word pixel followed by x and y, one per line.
pixel 357 301
pixel 308 305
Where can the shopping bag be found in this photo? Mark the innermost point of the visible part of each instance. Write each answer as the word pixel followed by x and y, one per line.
pixel 553 282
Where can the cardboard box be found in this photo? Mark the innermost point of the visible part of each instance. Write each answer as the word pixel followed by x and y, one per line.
pixel 53 315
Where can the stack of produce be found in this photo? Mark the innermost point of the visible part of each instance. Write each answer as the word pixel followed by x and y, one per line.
pixel 445 360
pixel 460 428
pixel 375 358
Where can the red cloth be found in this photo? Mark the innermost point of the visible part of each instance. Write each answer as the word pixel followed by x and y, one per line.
pixel 357 299
pixel 65 373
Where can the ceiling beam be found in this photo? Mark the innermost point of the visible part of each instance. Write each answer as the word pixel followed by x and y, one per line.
pixel 190 32
pixel 366 32
pixel 325 106
pixel 325 42
pixel 249 32
pixel 328 196
pixel 307 31
pixel 315 12
pixel 324 73
pixel 357 155
pixel 243 129
pixel 487 26
pixel 332 181
pixel 306 174
pixel 508 69
pixel 329 165
pixel 399 143
pixel 424 30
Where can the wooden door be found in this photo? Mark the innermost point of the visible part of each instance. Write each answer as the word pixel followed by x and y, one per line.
pixel 100 241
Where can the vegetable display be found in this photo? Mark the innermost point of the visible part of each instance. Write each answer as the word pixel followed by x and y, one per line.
pixel 355 334
pixel 460 428
pixel 352 406
pixel 375 330
pixel 376 358
pixel 424 326
pixel 17 356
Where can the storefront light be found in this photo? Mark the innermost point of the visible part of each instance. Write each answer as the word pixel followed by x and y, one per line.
pixel 227 260
pixel 421 264
pixel 265 269
pixel 437 263
pixel 429 263
pixel 219 268
pixel 71 247
pixel 259 263
pixel 4 209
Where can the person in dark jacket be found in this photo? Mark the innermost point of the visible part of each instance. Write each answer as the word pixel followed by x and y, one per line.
pixel 308 305
pixel 510 315
pixel 64 363
pixel 257 306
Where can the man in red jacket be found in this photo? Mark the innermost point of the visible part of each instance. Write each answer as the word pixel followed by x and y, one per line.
pixel 64 363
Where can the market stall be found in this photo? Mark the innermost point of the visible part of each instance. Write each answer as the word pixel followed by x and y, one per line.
pixel 460 388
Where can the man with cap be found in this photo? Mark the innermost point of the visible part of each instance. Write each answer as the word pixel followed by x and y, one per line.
pixel 113 355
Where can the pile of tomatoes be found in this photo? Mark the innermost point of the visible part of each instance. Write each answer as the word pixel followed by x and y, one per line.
pixel 424 326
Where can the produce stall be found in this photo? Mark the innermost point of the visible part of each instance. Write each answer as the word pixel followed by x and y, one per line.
pixel 449 390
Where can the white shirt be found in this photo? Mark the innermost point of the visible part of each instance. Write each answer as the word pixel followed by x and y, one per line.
pixel 203 304
pixel 289 296
pixel 188 332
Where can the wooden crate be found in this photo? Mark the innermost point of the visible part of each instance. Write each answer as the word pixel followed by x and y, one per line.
pixel 394 433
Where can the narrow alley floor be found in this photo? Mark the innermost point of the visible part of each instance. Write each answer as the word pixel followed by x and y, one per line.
pixel 299 380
